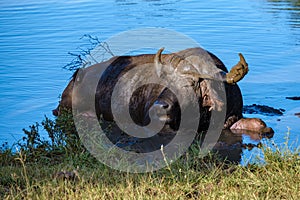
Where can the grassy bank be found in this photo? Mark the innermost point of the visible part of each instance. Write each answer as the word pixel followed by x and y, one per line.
pixel 278 179
pixel 58 170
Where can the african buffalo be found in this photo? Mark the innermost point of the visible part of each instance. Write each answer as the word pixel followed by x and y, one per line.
pixel 198 68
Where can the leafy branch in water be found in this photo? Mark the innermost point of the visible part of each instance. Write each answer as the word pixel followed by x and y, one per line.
pixel 86 54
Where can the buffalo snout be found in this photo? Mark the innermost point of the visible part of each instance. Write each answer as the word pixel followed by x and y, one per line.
pixel 160 110
pixel 162 105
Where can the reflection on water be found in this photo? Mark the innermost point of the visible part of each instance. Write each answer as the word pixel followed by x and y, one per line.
pixel 156 9
pixel 232 144
pixel 293 4
pixel 290 10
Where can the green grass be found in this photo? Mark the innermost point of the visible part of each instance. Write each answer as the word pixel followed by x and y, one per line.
pixel 201 179
pixel 30 174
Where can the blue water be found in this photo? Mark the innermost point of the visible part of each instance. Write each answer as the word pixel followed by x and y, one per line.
pixel 36 36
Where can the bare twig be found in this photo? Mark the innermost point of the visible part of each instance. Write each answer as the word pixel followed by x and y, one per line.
pixel 82 57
